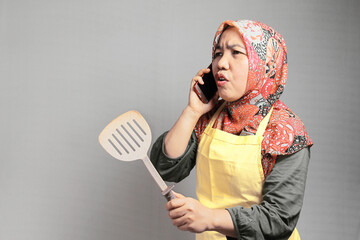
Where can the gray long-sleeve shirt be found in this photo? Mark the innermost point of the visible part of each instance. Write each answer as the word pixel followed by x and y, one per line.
pixel 283 191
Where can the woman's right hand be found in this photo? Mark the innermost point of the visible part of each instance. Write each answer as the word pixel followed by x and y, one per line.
pixel 195 104
pixel 177 138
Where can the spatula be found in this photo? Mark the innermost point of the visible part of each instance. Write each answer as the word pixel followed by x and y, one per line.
pixel 128 138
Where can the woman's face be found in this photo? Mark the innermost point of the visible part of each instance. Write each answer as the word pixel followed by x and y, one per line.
pixel 230 65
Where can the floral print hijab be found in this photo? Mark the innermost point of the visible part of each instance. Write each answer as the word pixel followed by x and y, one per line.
pixel 285 133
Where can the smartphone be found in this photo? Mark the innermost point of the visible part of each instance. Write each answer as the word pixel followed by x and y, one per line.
pixel 206 91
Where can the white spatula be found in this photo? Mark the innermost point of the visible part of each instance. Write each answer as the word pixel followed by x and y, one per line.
pixel 128 138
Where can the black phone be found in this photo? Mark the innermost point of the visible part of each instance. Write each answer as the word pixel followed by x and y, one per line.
pixel 206 91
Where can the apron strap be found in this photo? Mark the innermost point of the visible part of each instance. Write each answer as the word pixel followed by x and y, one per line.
pixel 263 124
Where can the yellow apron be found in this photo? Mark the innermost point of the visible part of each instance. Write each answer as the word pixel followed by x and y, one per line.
pixel 229 171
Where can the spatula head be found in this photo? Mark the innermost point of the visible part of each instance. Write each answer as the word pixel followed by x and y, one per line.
pixel 127 137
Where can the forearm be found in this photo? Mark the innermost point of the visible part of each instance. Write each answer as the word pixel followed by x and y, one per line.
pixel 178 137
pixel 173 169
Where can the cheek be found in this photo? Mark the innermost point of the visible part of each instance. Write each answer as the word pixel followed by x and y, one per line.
pixel 213 65
pixel 242 74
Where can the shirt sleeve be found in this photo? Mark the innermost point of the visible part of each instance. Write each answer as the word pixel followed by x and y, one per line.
pixel 174 169
pixel 283 192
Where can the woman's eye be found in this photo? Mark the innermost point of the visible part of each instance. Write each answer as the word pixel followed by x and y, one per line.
pixel 216 54
pixel 238 52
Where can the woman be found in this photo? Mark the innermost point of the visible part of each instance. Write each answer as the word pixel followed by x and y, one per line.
pixel 251 151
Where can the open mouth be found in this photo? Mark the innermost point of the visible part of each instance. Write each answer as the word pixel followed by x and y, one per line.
pixel 221 79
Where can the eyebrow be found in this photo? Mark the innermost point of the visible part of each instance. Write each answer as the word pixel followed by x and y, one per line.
pixel 217 46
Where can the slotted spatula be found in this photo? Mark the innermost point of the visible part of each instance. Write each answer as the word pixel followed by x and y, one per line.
pixel 128 138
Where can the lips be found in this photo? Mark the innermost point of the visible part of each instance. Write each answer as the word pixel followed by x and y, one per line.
pixel 221 79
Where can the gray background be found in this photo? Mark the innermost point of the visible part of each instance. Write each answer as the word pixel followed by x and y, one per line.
pixel 69 67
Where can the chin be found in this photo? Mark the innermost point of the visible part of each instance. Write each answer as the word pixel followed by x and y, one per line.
pixel 227 98
pixel 230 99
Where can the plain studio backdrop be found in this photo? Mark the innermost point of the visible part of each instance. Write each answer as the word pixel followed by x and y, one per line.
pixel 67 68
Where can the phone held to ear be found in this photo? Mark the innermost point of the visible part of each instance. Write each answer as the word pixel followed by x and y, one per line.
pixel 206 91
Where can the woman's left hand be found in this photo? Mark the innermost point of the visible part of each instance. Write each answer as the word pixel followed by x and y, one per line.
pixel 188 214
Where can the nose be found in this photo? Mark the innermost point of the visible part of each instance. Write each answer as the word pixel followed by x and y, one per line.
pixel 223 62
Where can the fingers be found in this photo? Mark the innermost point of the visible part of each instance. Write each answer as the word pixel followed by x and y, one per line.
pixel 178 195
pixel 202 71
pixel 177 213
pixel 181 223
pixel 179 208
pixel 180 217
pixel 184 219
pixel 198 76
pixel 188 214
pixel 174 203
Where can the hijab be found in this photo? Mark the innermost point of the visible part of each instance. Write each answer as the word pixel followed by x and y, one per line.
pixel 267 56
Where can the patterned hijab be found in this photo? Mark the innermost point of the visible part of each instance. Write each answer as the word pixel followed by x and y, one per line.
pixel 267 56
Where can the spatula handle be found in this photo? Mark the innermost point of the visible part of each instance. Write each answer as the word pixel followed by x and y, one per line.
pixel 154 173
pixel 166 190
pixel 168 193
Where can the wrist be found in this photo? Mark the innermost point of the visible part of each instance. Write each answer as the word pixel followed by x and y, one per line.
pixel 215 222
pixel 221 222
pixel 193 114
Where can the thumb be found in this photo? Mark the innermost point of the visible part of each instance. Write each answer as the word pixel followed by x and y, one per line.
pixel 178 195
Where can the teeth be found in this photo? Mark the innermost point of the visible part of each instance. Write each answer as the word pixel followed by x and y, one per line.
pixel 222 79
